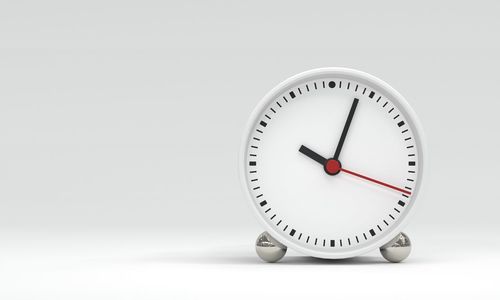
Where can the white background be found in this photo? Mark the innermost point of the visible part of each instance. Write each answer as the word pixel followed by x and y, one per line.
pixel 120 124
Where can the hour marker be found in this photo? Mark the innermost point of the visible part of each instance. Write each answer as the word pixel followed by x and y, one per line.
pixel 371 94
pixel 401 203
pixel 263 203
pixel 411 163
pixel 262 123
pixel 401 123
pixel 253 163
pixel 372 232
pixel 331 84
pixel 292 232
pixel 292 94
pixel 332 243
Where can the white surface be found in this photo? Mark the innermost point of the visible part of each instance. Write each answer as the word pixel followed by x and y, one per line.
pixel 162 265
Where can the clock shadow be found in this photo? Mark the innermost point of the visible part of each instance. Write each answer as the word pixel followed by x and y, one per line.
pixel 307 260
pixel 243 254
pixel 249 259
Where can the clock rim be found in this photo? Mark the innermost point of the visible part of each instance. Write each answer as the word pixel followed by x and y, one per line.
pixel 402 105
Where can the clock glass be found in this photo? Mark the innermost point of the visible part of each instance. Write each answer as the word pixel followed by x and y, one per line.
pixel 332 162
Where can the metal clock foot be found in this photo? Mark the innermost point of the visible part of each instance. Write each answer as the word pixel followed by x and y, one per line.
pixel 269 249
pixel 397 249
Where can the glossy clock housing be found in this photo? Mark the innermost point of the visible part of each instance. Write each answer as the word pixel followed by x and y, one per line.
pixel 332 162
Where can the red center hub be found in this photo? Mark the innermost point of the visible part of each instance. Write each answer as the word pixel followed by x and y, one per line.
pixel 333 167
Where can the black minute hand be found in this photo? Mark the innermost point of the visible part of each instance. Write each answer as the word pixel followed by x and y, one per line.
pixel 346 128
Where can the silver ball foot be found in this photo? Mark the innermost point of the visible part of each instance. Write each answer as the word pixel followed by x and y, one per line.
pixel 397 249
pixel 268 248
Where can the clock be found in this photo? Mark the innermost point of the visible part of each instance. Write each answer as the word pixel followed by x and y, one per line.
pixel 332 162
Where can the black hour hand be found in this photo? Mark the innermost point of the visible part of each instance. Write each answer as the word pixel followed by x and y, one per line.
pixel 312 155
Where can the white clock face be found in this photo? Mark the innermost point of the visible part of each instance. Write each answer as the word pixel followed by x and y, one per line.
pixel 332 162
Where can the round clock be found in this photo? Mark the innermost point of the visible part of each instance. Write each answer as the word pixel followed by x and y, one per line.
pixel 332 163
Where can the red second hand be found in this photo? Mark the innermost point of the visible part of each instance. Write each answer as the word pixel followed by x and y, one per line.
pixel 376 181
